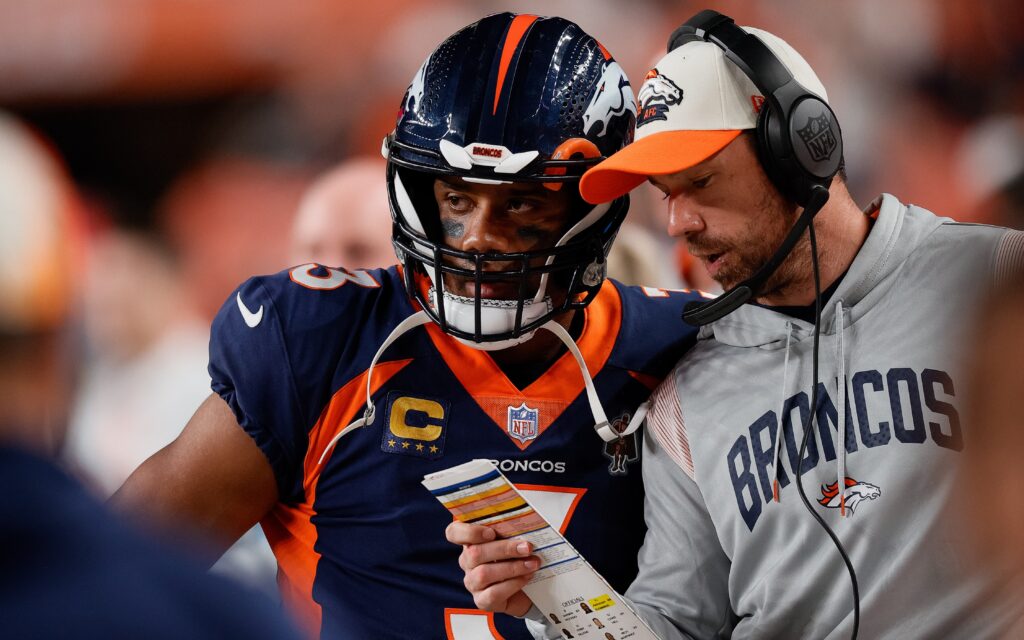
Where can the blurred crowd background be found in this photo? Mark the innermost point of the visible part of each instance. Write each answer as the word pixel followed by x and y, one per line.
pixel 175 147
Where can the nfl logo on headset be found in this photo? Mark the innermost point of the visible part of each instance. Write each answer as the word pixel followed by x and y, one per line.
pixel 819 138
pixel 522 423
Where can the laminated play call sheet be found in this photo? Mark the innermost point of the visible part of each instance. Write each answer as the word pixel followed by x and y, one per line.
pixel 569 592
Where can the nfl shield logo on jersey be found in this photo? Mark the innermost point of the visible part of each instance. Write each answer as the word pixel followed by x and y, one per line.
pixel 522 423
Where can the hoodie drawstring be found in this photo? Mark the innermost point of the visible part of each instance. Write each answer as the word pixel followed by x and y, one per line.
pixel 841 411
pixel 782 407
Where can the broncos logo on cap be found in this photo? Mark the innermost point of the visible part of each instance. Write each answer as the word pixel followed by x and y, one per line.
pixel 855 493
pixel 657 94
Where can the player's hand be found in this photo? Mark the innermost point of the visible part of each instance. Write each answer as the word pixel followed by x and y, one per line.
pixel 496 570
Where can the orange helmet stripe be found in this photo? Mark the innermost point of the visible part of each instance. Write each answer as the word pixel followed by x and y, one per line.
pixel 516 31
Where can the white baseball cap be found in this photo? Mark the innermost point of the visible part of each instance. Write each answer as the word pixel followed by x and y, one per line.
pixel 690 106
pixel 39 235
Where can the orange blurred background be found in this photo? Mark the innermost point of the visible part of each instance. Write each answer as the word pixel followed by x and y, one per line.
pixel 189 131
pixel 206 119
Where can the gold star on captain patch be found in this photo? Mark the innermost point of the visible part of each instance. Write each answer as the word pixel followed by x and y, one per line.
pixel 405 445
pixel 419 447
pixel 433 449
pixel 391 442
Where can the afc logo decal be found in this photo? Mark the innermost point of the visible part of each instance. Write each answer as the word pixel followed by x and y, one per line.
pixel 657 94
pixel 415 426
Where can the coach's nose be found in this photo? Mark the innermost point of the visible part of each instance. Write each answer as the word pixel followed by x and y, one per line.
pixel 684 216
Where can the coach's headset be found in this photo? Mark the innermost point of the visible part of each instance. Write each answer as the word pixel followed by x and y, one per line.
pixel 787 159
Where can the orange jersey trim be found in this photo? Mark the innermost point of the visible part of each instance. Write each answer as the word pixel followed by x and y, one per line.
pixel 553 489
pixel 516 31
pixel 556 387
pixel 289 528
pixel 649 381
pixel 449 612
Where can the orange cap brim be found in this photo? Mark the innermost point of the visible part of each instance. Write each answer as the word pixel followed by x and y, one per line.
pixel 656 155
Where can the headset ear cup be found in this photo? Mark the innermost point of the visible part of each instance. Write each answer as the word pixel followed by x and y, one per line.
pixel 773 152
pixel 816 140
pixel 786 155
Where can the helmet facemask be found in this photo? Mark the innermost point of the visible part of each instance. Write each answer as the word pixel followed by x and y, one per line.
pixel 562 106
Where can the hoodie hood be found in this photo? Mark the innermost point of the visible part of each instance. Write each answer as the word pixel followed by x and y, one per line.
pixel 897 232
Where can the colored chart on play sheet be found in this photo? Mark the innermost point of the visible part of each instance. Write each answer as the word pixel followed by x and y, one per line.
pixel 570 593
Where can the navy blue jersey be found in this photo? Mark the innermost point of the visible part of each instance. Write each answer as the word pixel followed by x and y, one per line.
pixel 70 570
pixel 359 541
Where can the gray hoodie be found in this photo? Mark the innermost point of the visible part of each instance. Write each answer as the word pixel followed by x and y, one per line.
pixel 722 558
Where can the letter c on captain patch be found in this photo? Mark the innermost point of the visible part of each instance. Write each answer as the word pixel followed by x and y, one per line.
pixel 415 426
pixel 417 418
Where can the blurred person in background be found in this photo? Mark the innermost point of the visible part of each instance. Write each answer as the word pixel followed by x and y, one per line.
pixel 146 352
pixel 227 217
pixel 991 482
pixel 70 569
pixel 990 160
pixel 144 372
pixel 641 258
pixel 344 218
pixel 498 336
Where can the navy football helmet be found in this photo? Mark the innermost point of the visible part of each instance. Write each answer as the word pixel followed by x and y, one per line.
pixel 508 98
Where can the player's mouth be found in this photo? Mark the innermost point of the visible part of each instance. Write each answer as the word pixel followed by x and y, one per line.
pixel 492 290
pixel 500 289
pixel 466 287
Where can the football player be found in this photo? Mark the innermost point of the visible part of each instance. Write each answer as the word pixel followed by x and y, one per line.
pixel 496 336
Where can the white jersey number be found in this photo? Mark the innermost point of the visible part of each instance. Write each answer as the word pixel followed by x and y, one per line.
pixel 335 278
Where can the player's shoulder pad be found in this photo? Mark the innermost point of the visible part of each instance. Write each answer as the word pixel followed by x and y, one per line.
pixel 315 305
pixel 282 344
pixel 653 335
pixel 313 294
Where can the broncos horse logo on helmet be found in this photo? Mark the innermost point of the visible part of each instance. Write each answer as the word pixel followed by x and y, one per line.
pixel 509 98
pixel 613 97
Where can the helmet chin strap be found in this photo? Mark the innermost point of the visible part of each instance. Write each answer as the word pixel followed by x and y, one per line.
pixel 601 424
pixel 415 320
pixel 593 216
